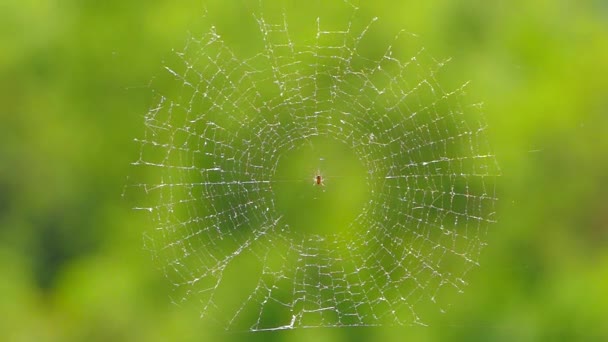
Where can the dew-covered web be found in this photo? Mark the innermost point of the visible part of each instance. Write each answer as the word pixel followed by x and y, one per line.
pixel 206 175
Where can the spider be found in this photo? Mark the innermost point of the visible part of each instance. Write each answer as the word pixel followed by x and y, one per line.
pixel 318 179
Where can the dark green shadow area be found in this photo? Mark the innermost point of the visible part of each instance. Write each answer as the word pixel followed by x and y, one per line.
pixel 320 209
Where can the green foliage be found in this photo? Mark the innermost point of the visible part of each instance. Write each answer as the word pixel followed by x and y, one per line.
pixel 74 89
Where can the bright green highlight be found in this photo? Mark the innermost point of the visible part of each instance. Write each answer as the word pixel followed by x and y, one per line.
pixel 328 208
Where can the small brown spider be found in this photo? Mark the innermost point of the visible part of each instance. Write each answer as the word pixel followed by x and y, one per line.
pixel 318 179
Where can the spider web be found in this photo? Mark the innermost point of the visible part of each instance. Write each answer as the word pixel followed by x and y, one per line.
pixel 206 177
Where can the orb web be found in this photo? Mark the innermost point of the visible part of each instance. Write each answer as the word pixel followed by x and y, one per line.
pixel 206 179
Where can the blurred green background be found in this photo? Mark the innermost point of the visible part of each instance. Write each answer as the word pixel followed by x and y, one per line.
pixel 74 88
